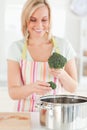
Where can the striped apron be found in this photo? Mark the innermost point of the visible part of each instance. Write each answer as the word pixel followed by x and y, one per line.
pixel 31 71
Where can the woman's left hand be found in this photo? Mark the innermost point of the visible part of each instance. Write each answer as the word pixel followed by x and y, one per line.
pixel 58 73
pixel 65 79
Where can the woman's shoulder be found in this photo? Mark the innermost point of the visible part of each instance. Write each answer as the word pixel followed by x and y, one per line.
pixel 17 44
pixel 15 50
pixel 60 43
pixel 65 47
pixel 60 40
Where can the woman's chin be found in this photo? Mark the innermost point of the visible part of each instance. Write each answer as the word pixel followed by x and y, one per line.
pixel 39 35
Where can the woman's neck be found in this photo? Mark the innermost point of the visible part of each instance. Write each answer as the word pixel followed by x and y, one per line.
pixel 37 41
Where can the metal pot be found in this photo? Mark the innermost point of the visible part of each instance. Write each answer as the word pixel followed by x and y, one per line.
pixel 63 112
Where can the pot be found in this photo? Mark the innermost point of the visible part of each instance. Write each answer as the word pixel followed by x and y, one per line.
pixel 63 112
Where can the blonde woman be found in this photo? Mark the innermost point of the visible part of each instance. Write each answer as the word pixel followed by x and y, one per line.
pixel 28 69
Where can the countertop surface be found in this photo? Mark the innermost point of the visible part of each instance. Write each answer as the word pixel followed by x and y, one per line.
pixel 20 121
pixel 14 121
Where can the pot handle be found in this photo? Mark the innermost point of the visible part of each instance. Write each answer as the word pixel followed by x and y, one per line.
pixel 41 105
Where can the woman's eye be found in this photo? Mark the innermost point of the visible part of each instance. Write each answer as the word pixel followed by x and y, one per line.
pixel 44 20
pixel 32 20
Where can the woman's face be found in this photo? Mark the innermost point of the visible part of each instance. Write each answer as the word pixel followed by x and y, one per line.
pixel 39 22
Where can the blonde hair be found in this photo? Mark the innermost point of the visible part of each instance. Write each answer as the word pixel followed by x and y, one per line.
pixel 28 9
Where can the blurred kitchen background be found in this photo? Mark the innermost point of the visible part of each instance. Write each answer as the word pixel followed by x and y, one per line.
pixel 69 21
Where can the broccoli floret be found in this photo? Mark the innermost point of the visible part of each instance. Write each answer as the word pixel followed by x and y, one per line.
pixel 57 61
pixel 52 85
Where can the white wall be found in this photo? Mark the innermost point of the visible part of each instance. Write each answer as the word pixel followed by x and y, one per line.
pixel 73 29
pixel 58 17
pixel 2 29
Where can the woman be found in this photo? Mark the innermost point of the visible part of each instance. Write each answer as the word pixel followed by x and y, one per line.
pixel 28 69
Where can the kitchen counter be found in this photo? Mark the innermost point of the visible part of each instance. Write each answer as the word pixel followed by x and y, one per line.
pixel 20 121
pixel 14 121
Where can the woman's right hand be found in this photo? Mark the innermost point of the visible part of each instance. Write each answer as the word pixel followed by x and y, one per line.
pixel 41 87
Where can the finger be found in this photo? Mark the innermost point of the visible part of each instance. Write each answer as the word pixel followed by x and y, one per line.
pixel 42 83
pixel 42 92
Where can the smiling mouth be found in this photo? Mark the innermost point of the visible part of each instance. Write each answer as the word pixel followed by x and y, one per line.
pixel 38 30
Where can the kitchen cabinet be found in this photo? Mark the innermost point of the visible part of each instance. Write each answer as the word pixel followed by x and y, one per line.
pixel 83 51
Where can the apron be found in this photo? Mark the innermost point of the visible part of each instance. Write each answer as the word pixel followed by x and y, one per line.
pixel 31 71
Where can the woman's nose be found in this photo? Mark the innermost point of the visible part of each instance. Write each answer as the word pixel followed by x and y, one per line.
pixel 39 24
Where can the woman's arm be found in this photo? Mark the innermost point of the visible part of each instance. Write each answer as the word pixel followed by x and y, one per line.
pixel 72 80
pixel 67 76
pixel 15 86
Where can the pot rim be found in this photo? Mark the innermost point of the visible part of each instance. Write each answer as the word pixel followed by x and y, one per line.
pixel 64 104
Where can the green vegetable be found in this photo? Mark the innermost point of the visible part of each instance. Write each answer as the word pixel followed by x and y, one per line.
pixel 57 61
pixel 52 85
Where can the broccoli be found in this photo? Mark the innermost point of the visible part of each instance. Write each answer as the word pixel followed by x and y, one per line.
pixel 57 61
pixel 52 85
